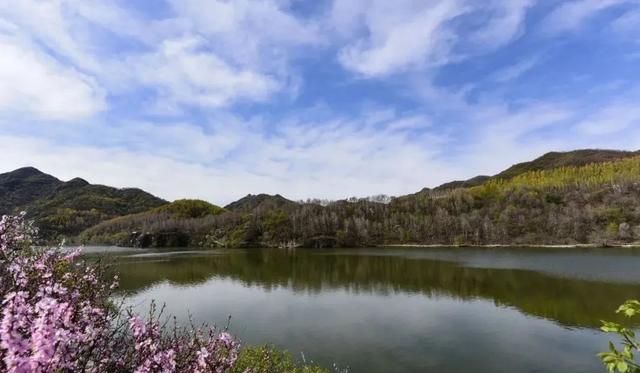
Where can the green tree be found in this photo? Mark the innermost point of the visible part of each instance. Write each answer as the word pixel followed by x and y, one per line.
pixel 622 358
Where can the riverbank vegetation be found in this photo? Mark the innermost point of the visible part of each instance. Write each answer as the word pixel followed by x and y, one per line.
pixel 58 315
pixel 597 203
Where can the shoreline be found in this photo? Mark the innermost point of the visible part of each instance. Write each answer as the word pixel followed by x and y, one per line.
pixel 635 245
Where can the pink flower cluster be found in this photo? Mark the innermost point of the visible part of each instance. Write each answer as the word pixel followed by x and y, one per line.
pixel 56 316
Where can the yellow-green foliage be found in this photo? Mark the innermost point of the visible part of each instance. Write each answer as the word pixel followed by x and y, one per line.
pixel 266 359
pixel 626 170
pixel 190 208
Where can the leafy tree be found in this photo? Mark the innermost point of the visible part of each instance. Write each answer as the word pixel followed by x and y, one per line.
pixel 622 358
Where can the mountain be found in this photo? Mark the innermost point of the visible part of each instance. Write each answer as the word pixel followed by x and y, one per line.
pixel 579 197
pixel 474 181
pixel 260 202
pixel 23 186
pixel 574 158
pixel 66 208
pixel 547 161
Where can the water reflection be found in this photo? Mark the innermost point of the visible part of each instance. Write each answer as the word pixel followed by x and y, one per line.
pixel 570 301
pixel 399 310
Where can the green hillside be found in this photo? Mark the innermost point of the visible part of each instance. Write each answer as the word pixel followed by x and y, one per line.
pixel 574 158
pixel 64 209
pixel 171 225
pixel 580 197
pixel 260 202
pixel 23 186
pixel 596 203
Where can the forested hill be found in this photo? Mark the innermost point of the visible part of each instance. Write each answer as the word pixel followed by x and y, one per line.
pixel 67 208
pixel 548 161
pixel 585 196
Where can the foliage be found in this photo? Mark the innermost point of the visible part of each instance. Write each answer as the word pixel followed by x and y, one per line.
pixel 556 199
pixel 595 203
pixel 574 158
pixel 64 209
pixel 266 359
pixel 590 175
pixel 258 202
pixel 622 359
pixel 56 316
pixel 173 225
pixel 190 208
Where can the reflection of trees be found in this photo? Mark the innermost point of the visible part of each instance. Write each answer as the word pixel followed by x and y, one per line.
pixel 571 302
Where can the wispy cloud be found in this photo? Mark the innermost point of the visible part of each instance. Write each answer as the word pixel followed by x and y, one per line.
pixel 406 34
pixel 207 53
pixel 399 35
pixel 334 158
pixel 611 119
pixel 516 70
pixel 628 24
pixel 571 15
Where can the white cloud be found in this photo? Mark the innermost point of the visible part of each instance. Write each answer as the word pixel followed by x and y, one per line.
pixel 243 23
pixel 384 37
pixel 399 35
pixel 55 24
pixel 183 71
pixel 205 53
pixel 258 36
pixel 335 158
pixel 611 119
pixel 571 15
pixel 213 54
pixel 376 151
pixel 506 22
pixel 36 85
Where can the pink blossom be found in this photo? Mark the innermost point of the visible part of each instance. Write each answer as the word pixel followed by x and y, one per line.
pixel 56 315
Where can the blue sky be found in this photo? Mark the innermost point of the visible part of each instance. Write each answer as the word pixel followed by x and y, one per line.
pixel 217 99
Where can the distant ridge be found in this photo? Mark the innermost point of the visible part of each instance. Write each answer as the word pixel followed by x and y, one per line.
pixel 573 158
pixel 260 201
pixel 547 161
pixel 583 196
pixel 69 207
pixel 474 181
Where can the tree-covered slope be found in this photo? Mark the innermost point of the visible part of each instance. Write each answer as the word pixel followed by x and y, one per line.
pixel 595 203
pixel 574 158
pixel 66 208
pixel 23 186
pixel 260 202
pixel 173 224
pixel 547 161
pixel 586 196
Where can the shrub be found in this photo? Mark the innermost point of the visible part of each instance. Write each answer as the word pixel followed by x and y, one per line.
pixel 56 316
pixel 622 359
pixel 267 359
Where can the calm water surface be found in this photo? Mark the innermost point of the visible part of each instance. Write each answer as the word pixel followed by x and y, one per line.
pixel 400 309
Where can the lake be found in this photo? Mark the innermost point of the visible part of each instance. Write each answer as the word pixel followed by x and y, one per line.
pixel 399 309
